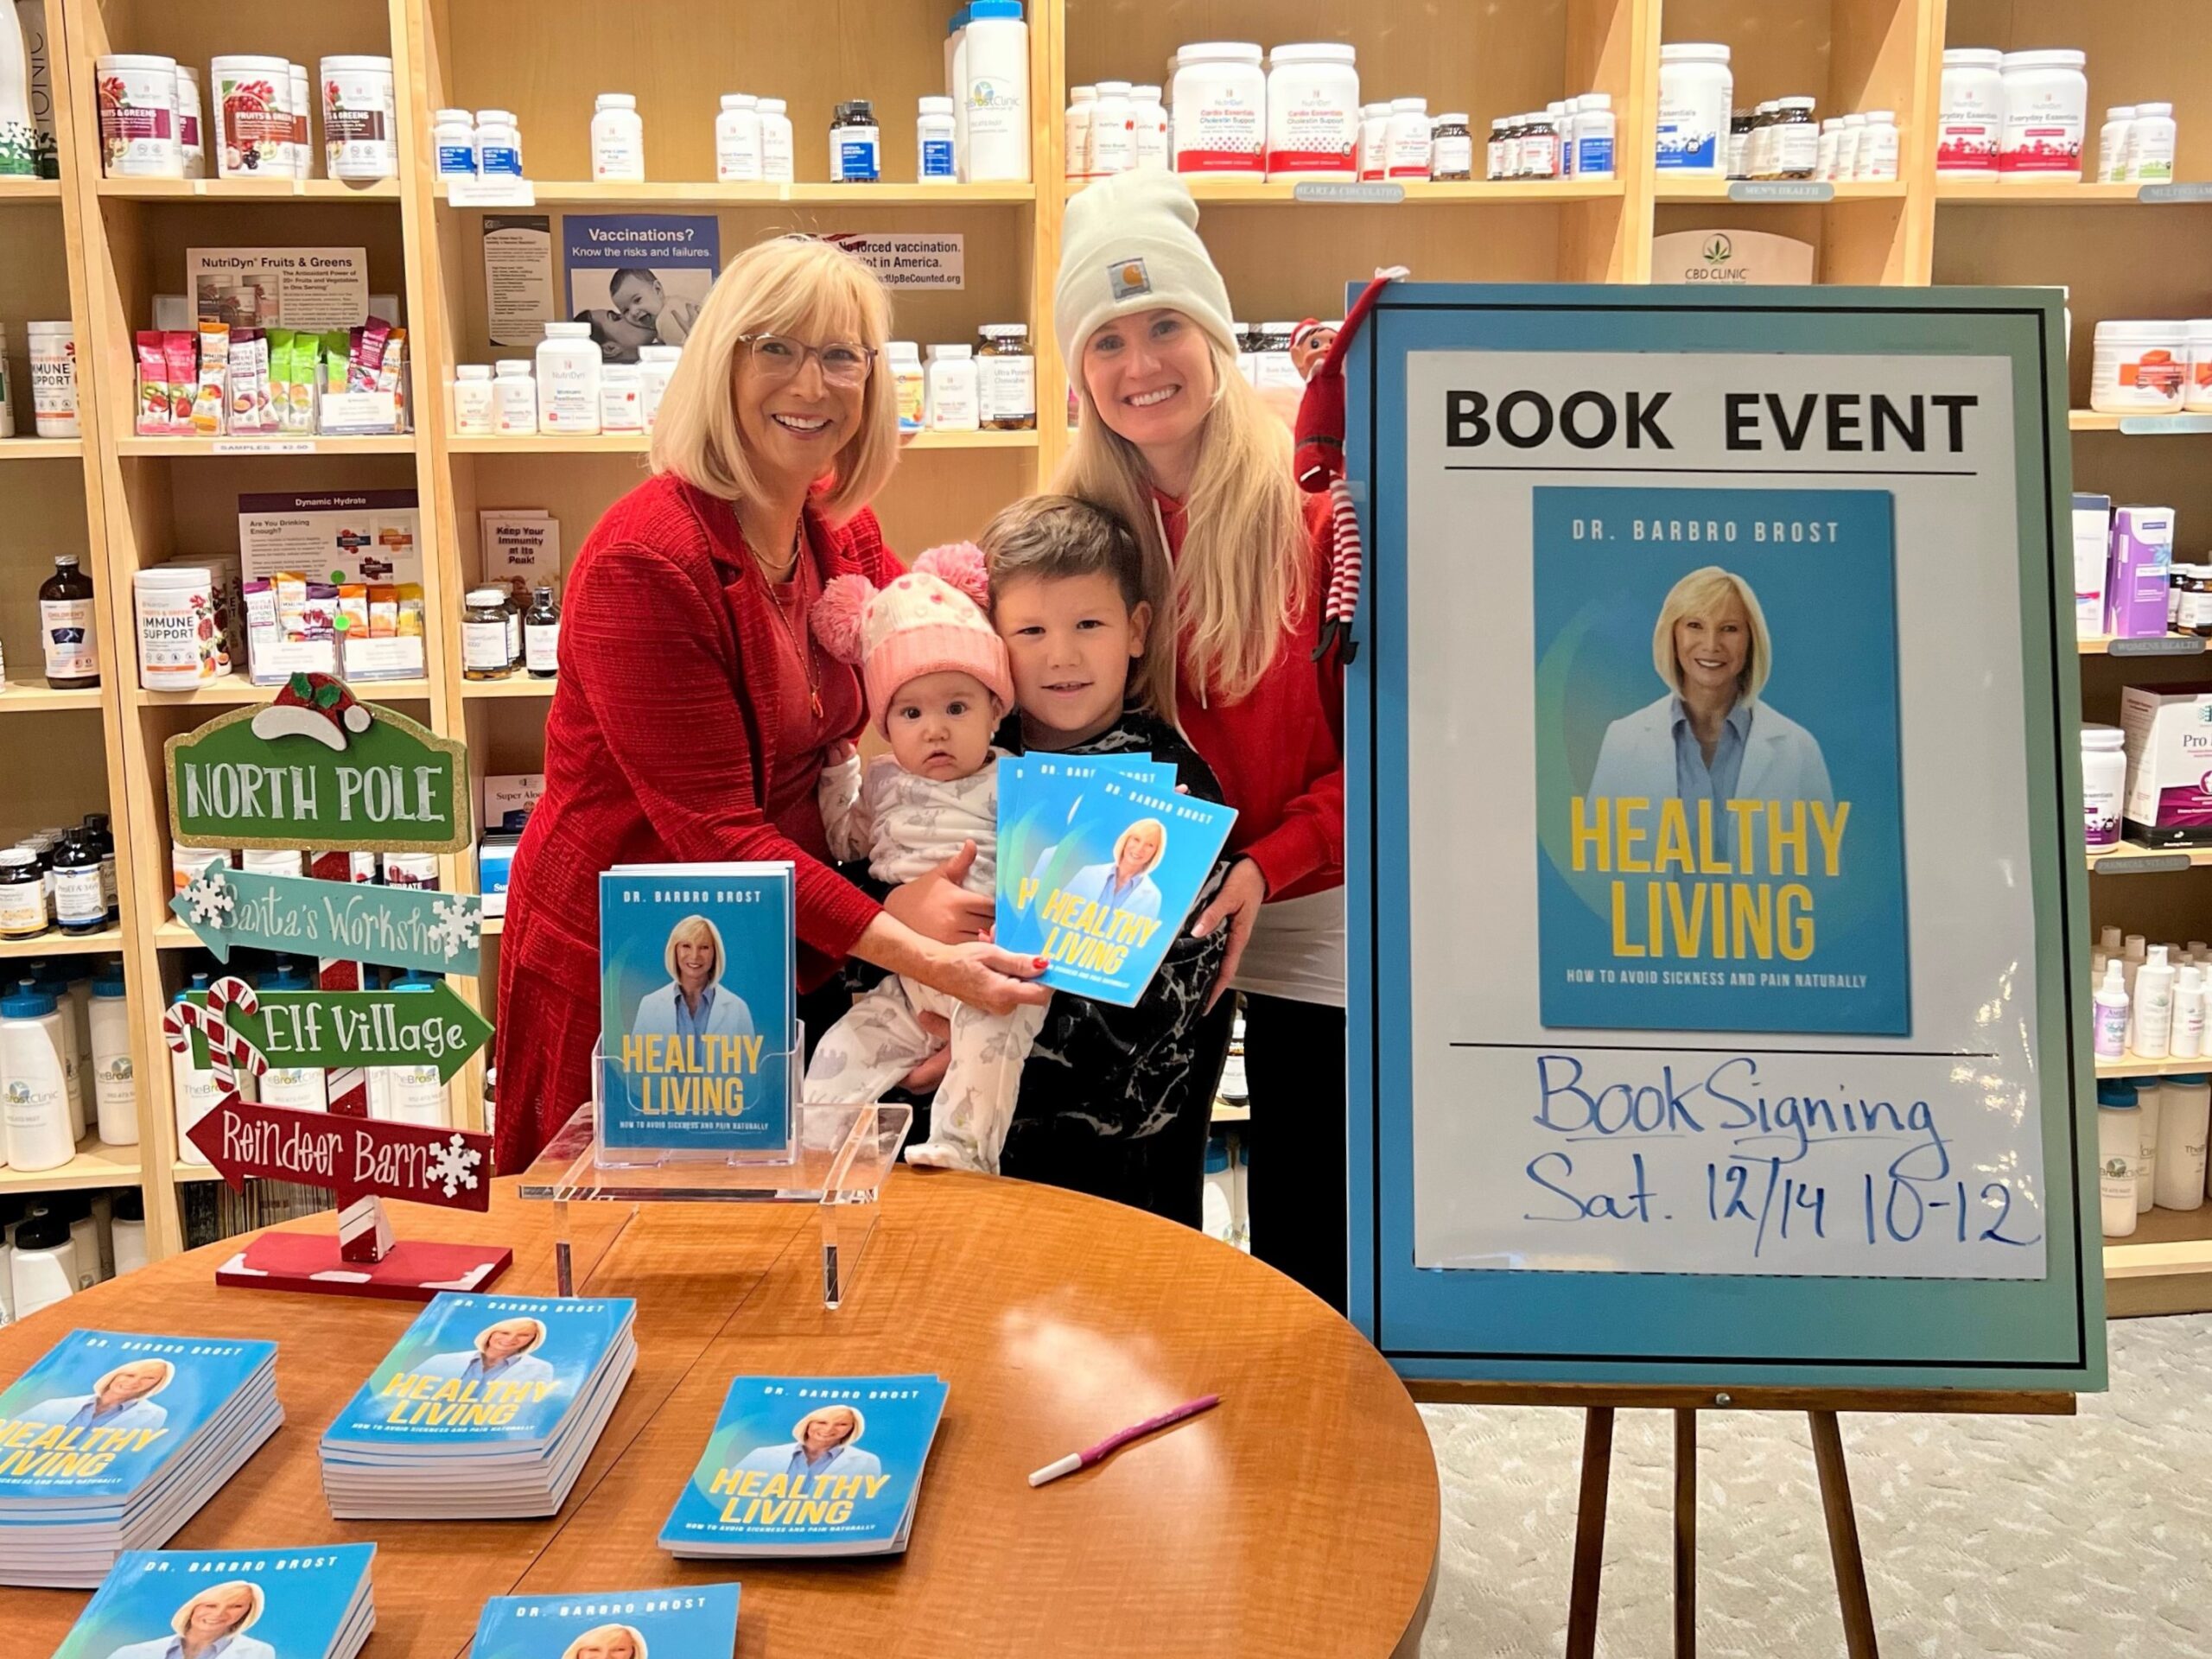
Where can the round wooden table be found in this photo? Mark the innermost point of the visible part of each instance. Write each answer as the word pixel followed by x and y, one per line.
pixel 1299 1517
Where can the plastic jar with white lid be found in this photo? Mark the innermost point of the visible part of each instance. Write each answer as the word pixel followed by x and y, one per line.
pixel 2196 393
pixel 137 112
pixel 1696 93
pixel 514 397
pixel 191 134
pixel 776 163
pixel 1083 104
pixel 1148 137
pixel 498 144
pixel 453 140
pixel 174 603
pixel 909 384
pixel 1374 127
pixel 1596 129
pixel 621 398
pixel 1314 114
pixel 2046 108
pixel 1407 147
pixel 568 379
pixel 54 378
pixel 2140 366
pixel 2150 139
pixel 955 395
pixel 1824 159
pixel 737 139
pixel 2111 144
pixel 1220 114
pixel 483 649
pixel 475 400
pixel 1113 131
pixel 251 99
pixel 934 128
pixel 655 365
pixel 2104 783
pixel 302 96
pixel 992 89
pixel 618 139
pixel 1971 112
pixel 358 118
pixel 1877 147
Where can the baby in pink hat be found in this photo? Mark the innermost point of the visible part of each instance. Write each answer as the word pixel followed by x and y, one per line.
pixel 937 685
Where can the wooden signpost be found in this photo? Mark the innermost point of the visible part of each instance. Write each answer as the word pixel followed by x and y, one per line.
pixel 317 769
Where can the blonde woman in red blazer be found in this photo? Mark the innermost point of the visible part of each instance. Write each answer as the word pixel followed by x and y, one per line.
pixel 694 709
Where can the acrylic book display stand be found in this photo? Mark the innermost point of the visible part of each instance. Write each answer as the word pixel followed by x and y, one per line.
pixel 836 1160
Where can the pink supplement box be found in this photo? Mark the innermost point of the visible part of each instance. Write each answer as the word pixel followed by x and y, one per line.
pixel 2169 741
pixel 2140 568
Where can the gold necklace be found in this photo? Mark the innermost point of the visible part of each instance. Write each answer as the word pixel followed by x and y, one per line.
pixel 803 652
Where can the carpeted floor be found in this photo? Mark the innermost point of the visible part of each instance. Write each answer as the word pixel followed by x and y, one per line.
pixel 2084 1536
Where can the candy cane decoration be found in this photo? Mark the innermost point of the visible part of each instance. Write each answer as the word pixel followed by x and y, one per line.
pixel 228 1051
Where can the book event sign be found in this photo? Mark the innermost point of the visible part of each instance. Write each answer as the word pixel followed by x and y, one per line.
pixel 1714 908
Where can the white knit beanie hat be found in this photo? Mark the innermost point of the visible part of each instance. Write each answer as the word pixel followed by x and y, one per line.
pixel 1131 243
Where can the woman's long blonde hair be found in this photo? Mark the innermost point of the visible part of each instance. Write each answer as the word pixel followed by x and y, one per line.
pixel 1243 573
pixel 811 290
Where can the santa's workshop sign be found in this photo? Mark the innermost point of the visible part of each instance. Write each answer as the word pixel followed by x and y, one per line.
pixel 319 769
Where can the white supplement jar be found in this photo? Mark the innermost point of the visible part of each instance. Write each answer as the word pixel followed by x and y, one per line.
pixel 54 378
pixel 514 398
pixel 2046 107
pixel 2150 145
pixel 1220 108
pixel 1313 115
pixel 1877 147
pixel 473 400
pixel 174 603
pixel 1374 128
pixel 775 142
pixel 1971 112
pixel 191 135
pixel 1595 129
pixel 2111 144
pixel 137 106
pixel 1824 161
pixel 620 406
pixel 302 95
pixel 618 139
pixel 954 401
pixel 655 365
pixel 250 98
pixel 909 384
pixel 34 1079
pixel 2140 366
pixel 1113 131
pixel 358 118
pixel 933 130
pixel 2104 782
pixel 993 92
pixel 568 379
pixel 499 145
pixel 115 1088
pixel 1083 104
pixel 1406 145
pixel 1696 96
pixel 2196 392
pixel 453 140
pixel 1149 127
pixel 1848 138
pixel 737 139
pixel 1572 111
pixel 186 862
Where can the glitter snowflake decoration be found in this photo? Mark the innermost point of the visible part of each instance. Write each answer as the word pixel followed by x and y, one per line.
pixel 212 900
pixel 455 1166
pixel 455 927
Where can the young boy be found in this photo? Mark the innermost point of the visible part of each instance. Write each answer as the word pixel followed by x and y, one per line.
pixel 936 684
pixel 1117 1102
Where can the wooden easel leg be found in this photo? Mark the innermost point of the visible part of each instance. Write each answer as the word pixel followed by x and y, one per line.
pixel 1590 1533
pixel 1843 1537
pixel 1686 1535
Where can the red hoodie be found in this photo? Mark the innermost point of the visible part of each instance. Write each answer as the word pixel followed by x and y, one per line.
pixel 1279 750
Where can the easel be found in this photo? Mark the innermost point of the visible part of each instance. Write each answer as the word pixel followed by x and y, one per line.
pixel 1598 1402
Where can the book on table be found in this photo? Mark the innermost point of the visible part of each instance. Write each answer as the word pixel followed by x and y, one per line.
pixel 808 1465
pixel 485 1408
pixel 114 1439
pixel 309 1601
pixel 691 1621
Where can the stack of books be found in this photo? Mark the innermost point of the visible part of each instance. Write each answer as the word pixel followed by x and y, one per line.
pixel 692 1622
pixel 486 1409
pixel 302 1602
pixel 113 1439
pixel 810 1465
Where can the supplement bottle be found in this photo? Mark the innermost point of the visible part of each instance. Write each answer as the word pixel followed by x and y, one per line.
pixel 24 913
pixel 618 139
pixel 1848 137
pixel 1113 131
pixel 473 400
pixel 1220 114
pixel 80 897
pixel 2046 107
pixel 655 365
pixel 568 379
pixel 934 131
pixel 66 627
pixel 1695 91
pixel 2119 1146
pixel 191 133
pixel 1824 159
pixel 620 405
pixel 1149 127
pixel 54 378
pixel 541 635
pixel 304 1088
pixel 855 144
pixel 908 381
pixel 1740 144
pixel 137 113
pixel 484 654
pixel 737 139
pixel 955 400
pixel 1494 163
pixel 514 398
pixel 1758 155
pixel 776 163
pixel 1572 111
pixel 1971 114
pixel 96 826
pixel 302 147
pixel 1878 146
pixel 993 90
pixel 1539 146
pixel 2111 144
pixel 2150 161
pixel 1406 141
pixel 34 1080
pixel 358 141
pixel 1374 126
pixel 1796 140
pixel 1595 129
pixel 250 98
pixel 2186 1108
pixel 1452 149
pixel 115 1084
pixel 1005 375
pixel 454 141
pixel 499 145
pixel 1083 104
pixel 1313 115
pixel 193 1088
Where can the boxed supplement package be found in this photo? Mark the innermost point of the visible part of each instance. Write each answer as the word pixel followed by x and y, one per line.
pixel 2139 572
pixel 2091 546
pixel 509 797
pixel 2168 730
pixel 495 858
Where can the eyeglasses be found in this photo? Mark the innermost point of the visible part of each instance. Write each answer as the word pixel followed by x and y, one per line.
pixel 843 362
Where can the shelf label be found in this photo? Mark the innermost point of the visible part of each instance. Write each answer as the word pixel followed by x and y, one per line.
pixel 2163 644
pixel 491 192
pixel 2153 426
pixel 264 445
pixel 2139 864
pixel 1373 192
pixel 1781 190
pixel 2194 190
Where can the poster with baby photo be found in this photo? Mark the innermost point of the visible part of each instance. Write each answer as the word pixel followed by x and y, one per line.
pixel 639 279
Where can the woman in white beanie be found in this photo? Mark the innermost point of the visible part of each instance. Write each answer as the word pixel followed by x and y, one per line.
pixel 1175 441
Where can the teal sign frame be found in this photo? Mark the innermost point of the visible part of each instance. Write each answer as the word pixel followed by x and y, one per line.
pixel 1742 1328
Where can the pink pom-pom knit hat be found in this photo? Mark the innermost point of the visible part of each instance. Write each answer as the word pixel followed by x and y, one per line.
pixel 930 620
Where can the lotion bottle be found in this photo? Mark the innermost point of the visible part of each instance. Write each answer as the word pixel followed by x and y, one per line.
pixel 2187 1041
pixel 2110 999
pixel 2154 1005
pixel 34 1080
pixel 2118 1150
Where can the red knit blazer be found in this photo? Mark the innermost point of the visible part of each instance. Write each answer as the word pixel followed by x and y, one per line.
pixel 653 750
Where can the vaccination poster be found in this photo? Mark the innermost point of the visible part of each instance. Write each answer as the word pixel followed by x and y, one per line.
pixel 639 279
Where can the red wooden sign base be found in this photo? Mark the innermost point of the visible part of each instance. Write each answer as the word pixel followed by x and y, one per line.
pixel 411 1271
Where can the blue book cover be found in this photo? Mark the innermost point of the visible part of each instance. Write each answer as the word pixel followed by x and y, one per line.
pixel 698 1007
pixel 809 1465
pixel 1098 865
pixel 696 1621
pixel 259 1603
pixel 1718 795
pixel 474 1372
pixel 101 1412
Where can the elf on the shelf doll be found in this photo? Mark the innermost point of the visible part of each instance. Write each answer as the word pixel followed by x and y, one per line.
pixel 1319 349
